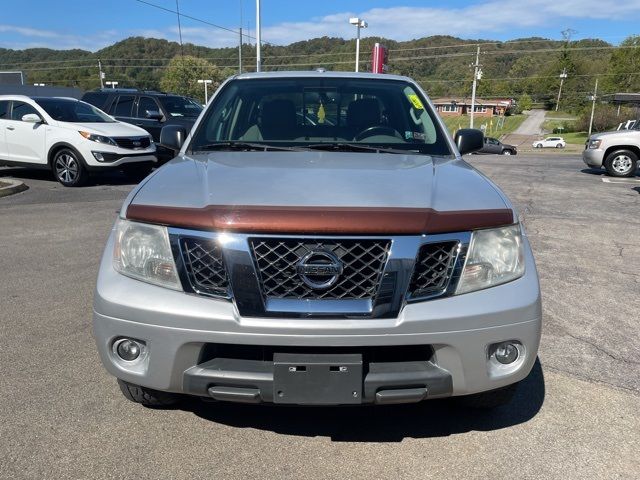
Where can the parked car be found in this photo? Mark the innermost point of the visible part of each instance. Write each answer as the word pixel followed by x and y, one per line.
pixel 550 142
pixel 618 152
pixel 275 260
pixel 147 109
pixel 495 146
pixel 71 138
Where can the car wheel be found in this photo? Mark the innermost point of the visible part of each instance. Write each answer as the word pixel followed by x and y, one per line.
pixel 146 396
pixel 507 152
pixel 490 399
pixel 559 145
pixel 621 163
pixel 539 145
pixel 68 169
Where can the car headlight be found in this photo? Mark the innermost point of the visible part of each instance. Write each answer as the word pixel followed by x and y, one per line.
pixel 98 138
pixel 143 252
pixel 594 143
pixel 495 257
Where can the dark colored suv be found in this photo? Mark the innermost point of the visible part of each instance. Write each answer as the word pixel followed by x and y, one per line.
pixel 147 109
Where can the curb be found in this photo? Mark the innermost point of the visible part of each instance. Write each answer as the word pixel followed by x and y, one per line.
pixel 15 186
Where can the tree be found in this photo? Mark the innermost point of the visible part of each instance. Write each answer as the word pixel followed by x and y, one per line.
pixel 183 73
pixel 624 66
pixel 525 102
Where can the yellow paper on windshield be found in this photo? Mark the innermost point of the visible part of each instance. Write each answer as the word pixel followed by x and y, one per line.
pixel 415 101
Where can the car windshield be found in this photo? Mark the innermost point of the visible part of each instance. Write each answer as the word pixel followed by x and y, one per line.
pixel 180 106
pixel 317 112
pixel 68 110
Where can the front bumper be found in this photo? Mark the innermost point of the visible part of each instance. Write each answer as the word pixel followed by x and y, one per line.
pixel 114 157
pixel 178 327
pixel 593 157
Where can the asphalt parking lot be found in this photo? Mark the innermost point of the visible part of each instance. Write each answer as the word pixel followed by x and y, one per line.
pixel 576 416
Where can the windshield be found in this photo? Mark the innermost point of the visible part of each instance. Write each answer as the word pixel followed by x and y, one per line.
pixel 180 106
pixel 311 111
pixel 67 110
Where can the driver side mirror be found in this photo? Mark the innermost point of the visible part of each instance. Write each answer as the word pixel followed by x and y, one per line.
pixel 173 137
pixel 32 118
pixel 469 140
pixel 154 115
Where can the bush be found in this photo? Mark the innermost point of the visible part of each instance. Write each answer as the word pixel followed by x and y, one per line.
pixel 605 118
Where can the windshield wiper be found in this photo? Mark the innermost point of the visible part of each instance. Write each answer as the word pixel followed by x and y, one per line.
pixel 356 147
pixel 243 146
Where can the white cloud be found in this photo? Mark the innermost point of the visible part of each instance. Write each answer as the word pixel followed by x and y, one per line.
pixel 480 19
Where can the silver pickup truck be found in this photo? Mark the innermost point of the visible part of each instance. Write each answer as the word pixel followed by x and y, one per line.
pixel 351 259
pixel 618 152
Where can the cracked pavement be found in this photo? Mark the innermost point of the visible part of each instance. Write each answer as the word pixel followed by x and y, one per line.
pixel 575 416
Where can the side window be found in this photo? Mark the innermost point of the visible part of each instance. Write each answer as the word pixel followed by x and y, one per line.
pixel 123 106
pixel 20 109
pixel 4 110
pixel 146 104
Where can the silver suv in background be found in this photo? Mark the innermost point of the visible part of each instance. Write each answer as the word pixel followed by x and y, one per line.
pixel 618 151
pixel 351 259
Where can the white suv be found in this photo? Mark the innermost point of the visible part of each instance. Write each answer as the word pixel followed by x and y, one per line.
pixel 550 142
pixel 70 137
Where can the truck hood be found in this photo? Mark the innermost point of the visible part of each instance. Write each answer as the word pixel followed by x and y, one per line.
pixel 231 187
pixel 620 133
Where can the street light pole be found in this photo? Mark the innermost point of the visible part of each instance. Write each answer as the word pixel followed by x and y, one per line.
pixel 258 38
pixel 206 92
pixel 593 107
pixel 111 84
pixel 359 23
pixel 476 76
pixel 563 75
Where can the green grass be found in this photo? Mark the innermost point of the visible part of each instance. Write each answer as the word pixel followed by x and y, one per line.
pixel 510 124
pixel 575 138
pixel 559 114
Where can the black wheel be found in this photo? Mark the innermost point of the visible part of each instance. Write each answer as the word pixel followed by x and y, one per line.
pixel 539 145
pixel 146 396
pixel 68 168
pixel 490 399
pixel 507 152
pixel 559 145
pixel 621 163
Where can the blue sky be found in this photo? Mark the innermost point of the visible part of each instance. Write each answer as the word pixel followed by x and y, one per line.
pixel 93 24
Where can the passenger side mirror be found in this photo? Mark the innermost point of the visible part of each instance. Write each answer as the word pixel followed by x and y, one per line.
pixel 173 137
pixel 469 140
pixel 154 115
pixel 32 118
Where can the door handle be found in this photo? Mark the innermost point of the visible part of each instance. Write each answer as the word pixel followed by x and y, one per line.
pixel 11 128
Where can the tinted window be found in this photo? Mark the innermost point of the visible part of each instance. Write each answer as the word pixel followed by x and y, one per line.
pixel 180 106
pixel 4 109
pixel 146 104
pixel 123 106
pixel 64 110
pixel 20 109
pixel 95 98
pixel 302 111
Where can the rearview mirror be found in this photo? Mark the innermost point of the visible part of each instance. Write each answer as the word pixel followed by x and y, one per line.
pixel 173 137
pixel 469 140
pixel 154 115
pixel 32 118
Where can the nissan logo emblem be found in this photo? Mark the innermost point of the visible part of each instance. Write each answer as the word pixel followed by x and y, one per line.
pixel 319 269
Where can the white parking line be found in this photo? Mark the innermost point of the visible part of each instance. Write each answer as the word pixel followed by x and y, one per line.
pixel 630 181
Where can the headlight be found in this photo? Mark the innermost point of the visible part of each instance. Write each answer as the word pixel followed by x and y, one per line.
pixel 143 252
pixel 98 138
pixel 594 143
pixel 495 256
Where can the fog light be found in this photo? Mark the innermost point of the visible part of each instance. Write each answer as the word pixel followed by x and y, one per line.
pixel 506 353
pixel 98 156
pixel 128 350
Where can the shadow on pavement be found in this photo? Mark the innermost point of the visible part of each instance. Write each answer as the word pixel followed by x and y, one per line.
pixel 114 177
pixel 435 418
pixel 594 171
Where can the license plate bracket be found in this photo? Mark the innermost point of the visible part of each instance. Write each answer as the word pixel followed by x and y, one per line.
pixel 317 379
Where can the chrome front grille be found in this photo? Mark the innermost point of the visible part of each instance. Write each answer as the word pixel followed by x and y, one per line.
pixel 277 261
pixel 205 267
pixel 433 269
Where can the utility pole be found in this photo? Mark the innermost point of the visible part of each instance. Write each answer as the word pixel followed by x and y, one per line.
pixel 240 53
pixel 477 74
pixel 563 75
pixel 593 107
pixel 101 74
pixel 359 23
pixel 258 38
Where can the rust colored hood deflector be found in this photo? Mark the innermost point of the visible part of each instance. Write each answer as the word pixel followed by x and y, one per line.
pixel 320 220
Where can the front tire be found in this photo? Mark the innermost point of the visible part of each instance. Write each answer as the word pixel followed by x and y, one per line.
pixel 539 145
pixel 68 168
pixel 146 396
pixel 559 145
pixel 490 399
pixel 621 163
pixel 507 152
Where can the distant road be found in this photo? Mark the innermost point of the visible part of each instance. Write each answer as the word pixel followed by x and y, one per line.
pixel 532 124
